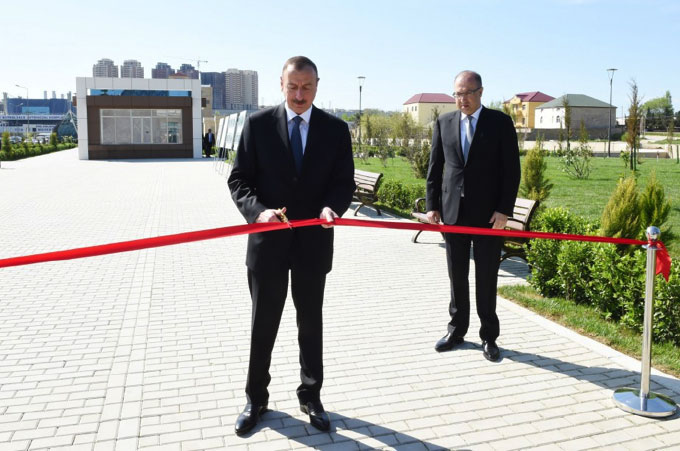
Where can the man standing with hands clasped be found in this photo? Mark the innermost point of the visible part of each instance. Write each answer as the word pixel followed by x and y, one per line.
pixel 292 160
pixel 472 180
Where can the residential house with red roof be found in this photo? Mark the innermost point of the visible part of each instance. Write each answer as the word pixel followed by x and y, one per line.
pixel 422 107
pixel 523 107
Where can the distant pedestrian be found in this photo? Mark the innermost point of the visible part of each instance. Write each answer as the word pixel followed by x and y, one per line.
pixel 208 143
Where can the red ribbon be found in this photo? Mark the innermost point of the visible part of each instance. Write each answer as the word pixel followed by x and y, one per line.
pixel 663 260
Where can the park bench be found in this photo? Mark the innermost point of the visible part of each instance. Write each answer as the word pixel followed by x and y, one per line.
pixel 522 214
pixel 366 190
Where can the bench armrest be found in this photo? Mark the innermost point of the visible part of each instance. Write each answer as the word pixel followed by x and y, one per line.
pixel 419 206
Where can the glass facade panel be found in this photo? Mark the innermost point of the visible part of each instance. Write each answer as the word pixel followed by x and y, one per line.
pixel 123 130
pixel 108 130
pixel 125 126
pixel 137 130
pixel 146 130
pixel 174 132
pixel 156 126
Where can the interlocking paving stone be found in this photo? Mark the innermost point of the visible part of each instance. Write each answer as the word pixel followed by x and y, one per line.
pixel 149 349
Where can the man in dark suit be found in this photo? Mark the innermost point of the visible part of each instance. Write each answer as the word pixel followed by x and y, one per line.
pixel 472 180
pixel 294 160
pixel 208 142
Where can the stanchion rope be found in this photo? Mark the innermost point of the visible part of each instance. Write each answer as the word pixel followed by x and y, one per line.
pixel 663 265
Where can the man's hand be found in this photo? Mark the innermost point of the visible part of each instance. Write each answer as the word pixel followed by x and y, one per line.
pixel 271 215
pixel 499 220
pixel 329 215
pixel 434 217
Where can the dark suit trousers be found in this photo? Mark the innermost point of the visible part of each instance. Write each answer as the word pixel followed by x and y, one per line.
pixel 268 291
pixel 486 252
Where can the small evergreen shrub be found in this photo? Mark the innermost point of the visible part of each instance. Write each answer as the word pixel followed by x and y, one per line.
pixel 621 215
pixel 535 185
pixel 654 207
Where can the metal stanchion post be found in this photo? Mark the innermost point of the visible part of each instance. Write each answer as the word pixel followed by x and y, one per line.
pixel 642 401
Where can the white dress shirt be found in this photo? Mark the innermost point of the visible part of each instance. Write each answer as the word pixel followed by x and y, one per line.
pixel 475 120
pixel 304 125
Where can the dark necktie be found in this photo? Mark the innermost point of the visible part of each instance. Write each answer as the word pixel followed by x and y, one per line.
pixel 296 143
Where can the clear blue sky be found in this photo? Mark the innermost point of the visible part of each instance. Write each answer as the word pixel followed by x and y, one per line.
pixel 401 47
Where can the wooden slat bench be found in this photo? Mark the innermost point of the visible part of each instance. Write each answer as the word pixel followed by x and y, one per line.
pixel 522 214
pixel 366 190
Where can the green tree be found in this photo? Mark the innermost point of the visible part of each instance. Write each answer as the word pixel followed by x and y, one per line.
pixel 633 125
pixel 670 134
pixel 654 207
pixel 567 121
pixel 576 162
pixel 535 184
pixel 6 144
pixel 658 112
pixel 621 215
pixel 53 141
pixel 435 114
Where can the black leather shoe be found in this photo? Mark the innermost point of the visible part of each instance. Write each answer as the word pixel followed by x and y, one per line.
pixel 448 342
pixel 249 418
pixel 491 351
pixel 317 415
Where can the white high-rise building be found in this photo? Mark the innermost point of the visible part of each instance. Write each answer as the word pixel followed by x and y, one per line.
pixel 241 89
pixel 105 68
pixel 131 69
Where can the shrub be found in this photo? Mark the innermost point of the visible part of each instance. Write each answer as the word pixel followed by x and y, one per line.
pixel 419 158
pixel 600 275
pixel 542 254
pixel 621 215
pixel 53 141
pixel 576 162
pixel 667 308
pixel 3 155
pixel 6 144
pixel 396 195
pixel 617 280
pixel 534 183
pixel 574 262
pixel 654 208
pixel 18 153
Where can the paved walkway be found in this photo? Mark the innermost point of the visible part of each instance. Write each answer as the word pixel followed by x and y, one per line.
pixel 148 349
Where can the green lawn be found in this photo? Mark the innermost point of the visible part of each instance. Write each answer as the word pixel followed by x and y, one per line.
pixel 397 169
pixel 583 197
pixel 586 320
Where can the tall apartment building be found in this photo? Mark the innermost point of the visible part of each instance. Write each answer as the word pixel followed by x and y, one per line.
pixel 241 89
pixel 216 81
pixel 131 69
pixel 188 70
pixel 105 68
pixel 162 70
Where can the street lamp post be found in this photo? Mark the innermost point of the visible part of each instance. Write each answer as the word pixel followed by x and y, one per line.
pixel 28 109
pixel 609 130
pixel 361 84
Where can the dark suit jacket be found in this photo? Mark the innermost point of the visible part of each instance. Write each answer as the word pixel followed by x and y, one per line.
pixel 207 144
pixel 264 177
pixel 491 175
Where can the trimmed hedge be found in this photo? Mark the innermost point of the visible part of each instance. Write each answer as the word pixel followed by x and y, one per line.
pixel 19 151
